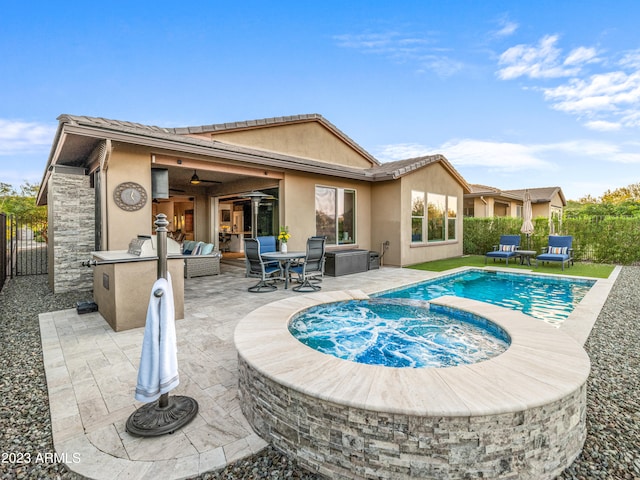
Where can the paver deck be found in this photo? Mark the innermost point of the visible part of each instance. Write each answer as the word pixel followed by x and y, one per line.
pixel 92 370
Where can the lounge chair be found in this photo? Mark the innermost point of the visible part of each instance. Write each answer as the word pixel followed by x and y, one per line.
pixel 257 267
pixel 508 248
pixel 312 268
pixel 558 250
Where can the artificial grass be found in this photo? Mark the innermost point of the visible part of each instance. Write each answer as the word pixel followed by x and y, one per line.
pixel 580 269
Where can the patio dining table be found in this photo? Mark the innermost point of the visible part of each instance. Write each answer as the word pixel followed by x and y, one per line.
pixel 285 259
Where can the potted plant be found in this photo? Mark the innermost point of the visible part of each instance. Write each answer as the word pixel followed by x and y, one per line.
pixel 284 236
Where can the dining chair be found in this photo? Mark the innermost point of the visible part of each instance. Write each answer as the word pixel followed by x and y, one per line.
pixel 257 267
pixel 312 266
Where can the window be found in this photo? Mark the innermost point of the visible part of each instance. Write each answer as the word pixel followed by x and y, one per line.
pixel 335 214
pixel 452 215
pixel 436 208
pixel 417 216
pixel 439 219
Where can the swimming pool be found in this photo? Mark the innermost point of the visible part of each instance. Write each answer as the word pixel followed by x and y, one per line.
pixel 546 298
pixel 398 333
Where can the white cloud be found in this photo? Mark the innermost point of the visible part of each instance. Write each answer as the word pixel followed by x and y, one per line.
pixel 508 28
pixel 603 125
pixel 599 93
pixel 443 66
pixel 389 43
pixel 399 47
pixel 631 60
pixel 539 61
pixel 606 101
pixel 18 137
pixel 501 156
pixel 512 157
pixel 582 55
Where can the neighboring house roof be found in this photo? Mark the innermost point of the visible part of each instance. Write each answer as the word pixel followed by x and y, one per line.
pixel 77 136
pixel 538 195
pixel 399 168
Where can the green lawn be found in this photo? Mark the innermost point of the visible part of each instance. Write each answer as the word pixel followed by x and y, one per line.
pixel 596 270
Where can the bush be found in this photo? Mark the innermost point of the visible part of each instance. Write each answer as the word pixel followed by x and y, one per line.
pixel 595 238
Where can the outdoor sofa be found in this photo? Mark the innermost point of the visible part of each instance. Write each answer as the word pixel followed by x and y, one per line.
pixel 200 259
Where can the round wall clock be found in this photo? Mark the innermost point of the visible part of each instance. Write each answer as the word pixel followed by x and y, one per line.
pixel 130 196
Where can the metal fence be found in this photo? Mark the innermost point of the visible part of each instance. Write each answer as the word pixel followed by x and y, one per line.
pixel 4 258
pixel 24 246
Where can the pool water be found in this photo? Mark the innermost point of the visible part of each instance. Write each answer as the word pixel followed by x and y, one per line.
pixel 398 333
pixel 550 299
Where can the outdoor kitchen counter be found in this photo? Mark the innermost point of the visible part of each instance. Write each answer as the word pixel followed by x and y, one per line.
pixel 122 284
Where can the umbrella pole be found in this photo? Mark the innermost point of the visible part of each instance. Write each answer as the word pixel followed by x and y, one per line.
pixel 161 224
pixel 169 413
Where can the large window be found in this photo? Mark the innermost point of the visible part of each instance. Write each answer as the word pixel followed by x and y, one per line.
pixel 335 214
pixel 435 223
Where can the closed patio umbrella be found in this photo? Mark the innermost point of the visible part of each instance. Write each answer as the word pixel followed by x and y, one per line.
pixel 527 215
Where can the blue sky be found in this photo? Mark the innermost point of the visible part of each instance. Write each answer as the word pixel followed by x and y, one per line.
pixel 515 94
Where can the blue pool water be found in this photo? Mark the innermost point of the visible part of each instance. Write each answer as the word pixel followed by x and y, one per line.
pixel 550 299
pixel 398 333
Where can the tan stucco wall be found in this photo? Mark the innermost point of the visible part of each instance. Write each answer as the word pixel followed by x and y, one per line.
pixel 432 179
pixel 121 291
pixel 387 205
pixel 298 199
pixel 127 164
pixel 309 140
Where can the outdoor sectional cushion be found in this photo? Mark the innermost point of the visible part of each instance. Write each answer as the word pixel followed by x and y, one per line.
pixel 197 248
pixel 187 246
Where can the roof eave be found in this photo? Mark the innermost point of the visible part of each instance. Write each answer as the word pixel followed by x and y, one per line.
pixel 218 149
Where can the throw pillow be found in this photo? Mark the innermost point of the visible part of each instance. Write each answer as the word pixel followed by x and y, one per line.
pixel 507 248
pixel 557 250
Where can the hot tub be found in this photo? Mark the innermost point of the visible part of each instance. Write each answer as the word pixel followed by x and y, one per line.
pixel 521 414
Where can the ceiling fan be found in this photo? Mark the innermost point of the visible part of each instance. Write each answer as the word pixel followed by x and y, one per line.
pixel 195 180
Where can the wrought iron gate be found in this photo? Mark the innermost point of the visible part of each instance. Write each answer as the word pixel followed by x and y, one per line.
pixel 25 246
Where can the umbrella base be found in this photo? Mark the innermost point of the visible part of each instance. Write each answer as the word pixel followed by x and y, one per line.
pixel 152 420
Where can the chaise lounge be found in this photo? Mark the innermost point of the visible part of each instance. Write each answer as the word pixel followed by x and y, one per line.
pixel 559 250
pixel 508 248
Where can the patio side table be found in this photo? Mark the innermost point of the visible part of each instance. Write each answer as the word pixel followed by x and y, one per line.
pixel 525 255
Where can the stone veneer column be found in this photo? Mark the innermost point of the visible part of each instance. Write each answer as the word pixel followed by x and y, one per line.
pixel 71 229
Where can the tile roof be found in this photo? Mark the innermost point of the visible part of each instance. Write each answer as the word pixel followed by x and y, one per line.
pixel 221 127
pixel 178 139
pixel 538 194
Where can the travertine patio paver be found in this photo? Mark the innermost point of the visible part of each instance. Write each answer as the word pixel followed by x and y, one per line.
pixel 92 370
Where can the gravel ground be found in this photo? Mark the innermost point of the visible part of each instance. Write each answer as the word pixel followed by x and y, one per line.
pixel 611 451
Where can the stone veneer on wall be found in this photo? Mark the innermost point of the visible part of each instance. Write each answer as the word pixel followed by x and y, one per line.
pixel 71 231
pixel 341 442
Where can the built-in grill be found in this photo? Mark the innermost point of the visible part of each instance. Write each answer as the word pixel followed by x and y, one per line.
pixel 141 248
pixel 123 279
